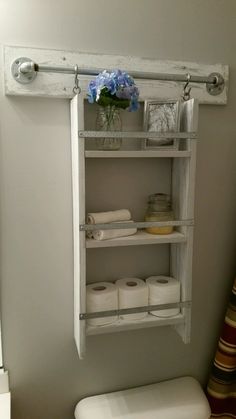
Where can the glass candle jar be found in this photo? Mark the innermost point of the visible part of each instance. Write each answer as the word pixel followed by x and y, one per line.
pixel 159 209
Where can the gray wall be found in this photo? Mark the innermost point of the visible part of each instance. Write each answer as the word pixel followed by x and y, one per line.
pixel 46 376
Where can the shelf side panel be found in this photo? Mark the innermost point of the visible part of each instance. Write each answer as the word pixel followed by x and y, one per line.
pixel 183 186
pixel 78 196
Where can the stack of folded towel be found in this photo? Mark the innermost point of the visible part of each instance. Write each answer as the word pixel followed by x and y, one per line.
pixel 118 216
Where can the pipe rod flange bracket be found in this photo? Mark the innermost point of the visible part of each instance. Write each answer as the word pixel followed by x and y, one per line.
pixel 216 88
pixel 23 70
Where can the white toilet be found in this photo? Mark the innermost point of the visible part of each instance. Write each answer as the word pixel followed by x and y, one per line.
pixel 181 398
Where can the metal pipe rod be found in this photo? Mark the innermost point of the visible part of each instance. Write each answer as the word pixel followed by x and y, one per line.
pixel 28 67
pixel 24 71
pixel 127 225
pixel 133 310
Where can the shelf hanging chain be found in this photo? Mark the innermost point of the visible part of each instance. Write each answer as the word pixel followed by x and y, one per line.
pixel 187 89
pixel 76 88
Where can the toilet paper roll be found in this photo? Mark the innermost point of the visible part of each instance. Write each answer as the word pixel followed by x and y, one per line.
pixel 132 292
pixel 100 297
pixel 163 290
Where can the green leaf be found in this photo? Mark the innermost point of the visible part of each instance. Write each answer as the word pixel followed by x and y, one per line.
pixel 106 99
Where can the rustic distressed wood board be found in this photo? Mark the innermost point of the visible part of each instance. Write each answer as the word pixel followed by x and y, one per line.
pixel 61 85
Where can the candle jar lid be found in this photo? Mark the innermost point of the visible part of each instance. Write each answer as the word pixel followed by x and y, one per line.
pixel 159 202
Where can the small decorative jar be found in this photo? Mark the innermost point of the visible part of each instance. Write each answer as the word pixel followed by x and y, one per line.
pixel 159 209
pixel 108 119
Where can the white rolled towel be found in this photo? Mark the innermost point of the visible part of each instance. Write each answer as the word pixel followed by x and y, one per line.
pixel 112 234
pixel 108 216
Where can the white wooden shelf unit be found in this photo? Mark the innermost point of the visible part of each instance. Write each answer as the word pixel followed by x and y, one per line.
pixel 180 241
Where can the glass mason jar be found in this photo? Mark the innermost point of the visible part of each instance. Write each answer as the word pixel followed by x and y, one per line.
pixel 108 119
pixel 159 209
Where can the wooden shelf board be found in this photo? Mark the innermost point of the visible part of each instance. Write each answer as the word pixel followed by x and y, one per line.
pixel 136 154
pixel 123 325
pixel 140 238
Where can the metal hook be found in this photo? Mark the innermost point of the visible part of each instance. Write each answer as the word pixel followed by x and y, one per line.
pixel 186 90
pixel 76 88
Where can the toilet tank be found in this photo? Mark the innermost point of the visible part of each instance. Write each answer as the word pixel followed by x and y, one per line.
pixel 181 398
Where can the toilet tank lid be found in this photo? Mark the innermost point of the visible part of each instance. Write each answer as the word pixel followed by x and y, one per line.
pixel 181 398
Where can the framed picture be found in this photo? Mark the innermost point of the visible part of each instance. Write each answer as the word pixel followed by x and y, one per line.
pixel 161 116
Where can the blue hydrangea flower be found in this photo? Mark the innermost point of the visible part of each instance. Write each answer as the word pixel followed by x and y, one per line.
pixel 115 88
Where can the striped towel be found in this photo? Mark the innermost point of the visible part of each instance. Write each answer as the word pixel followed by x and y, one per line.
pixel 221 390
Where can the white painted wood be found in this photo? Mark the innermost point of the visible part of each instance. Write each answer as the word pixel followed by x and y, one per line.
pixel 1 356
pixel 140 238
pixel 61 85
pixel 137 154
pixel 4 382
pixel 183 182
pixel 78 187
pixel 5 406
pixel 148 321
pixel 181 240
